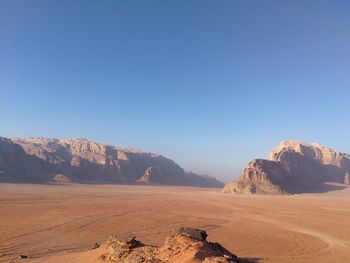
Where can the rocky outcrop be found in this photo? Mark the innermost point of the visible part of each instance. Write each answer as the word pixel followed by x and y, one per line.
pixel 61 179
pixel 84 161
pixel 293 167
pixel 183 245
pixel 260 177
pixel 151 175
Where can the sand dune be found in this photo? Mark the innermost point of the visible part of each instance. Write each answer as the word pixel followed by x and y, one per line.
pixel 61 223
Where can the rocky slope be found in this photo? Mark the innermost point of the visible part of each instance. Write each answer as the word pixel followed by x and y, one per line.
pixel 293 167
pixel 183 245
pixel 83 161
pixel 260 176
pixel 16 165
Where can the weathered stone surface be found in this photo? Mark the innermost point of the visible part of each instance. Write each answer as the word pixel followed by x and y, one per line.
pixel 18 166
pixel 260 177
pixel 294 167
pixel 183 245
pixel 125 239
pixel 84 161
pixel 193 233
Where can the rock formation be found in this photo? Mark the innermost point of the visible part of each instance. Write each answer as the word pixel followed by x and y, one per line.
pixel 151 174
pixel 293 167
pixel 347 179
pixel 183 245
pixel 260 177
pixel 18 166
pixel 61 179
pixel 83 161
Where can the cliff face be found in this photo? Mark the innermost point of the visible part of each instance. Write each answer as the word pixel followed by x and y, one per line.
pixel 17 166
pixel 80 160
pixel 322 154
pixel 312 162
pixel 293 167
pixel 259 177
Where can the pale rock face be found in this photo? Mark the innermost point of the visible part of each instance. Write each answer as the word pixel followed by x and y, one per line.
pixel 293 166
pixel 315 151
pixel 84 161
pixel 150 175
pixel 122 155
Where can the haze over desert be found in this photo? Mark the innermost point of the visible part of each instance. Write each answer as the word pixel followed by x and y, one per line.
pixel 61 223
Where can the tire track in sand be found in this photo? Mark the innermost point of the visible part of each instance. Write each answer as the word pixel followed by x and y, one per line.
pixel 331 241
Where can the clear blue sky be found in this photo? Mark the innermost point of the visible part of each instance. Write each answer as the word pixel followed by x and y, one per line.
pixel 209 84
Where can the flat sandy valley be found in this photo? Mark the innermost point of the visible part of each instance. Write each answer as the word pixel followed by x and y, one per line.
pixel 50 223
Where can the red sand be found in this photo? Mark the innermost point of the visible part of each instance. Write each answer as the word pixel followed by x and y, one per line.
pixel 56 223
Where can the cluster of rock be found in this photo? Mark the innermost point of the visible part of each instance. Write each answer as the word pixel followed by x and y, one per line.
pixel 84 161
pixel 293 167
pixel 183 245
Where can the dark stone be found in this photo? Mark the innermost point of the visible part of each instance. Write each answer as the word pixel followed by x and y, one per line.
pixel 125 238
pixel 217 247
pixel 197 234
pixel 96 245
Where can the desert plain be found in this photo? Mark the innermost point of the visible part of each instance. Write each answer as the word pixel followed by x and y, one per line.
pixel 61 223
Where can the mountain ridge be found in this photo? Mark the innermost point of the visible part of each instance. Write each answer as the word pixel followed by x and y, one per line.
pixel 83 161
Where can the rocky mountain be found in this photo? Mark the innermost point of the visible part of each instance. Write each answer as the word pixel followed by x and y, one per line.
pixel 84 161
pixel 293 167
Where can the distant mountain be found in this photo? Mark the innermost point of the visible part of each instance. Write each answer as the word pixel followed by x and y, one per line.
pixel 293 167
pixel 37 160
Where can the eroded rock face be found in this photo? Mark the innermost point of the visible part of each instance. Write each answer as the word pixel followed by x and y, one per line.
pixel 260 177
pixel 312 162
pixel 84 161
pixel 293 167
pixel 183 245
pixel 18 166
pixel 322 154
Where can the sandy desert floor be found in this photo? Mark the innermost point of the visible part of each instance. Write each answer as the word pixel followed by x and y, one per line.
pixel 50 223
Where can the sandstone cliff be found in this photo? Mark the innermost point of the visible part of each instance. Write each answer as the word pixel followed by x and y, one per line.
pixel 260 177
pixel 84 161
pixel 293 167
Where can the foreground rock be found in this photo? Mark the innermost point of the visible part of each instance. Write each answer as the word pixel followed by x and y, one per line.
pixel 79 160
pixel 183 245
pixel 293 167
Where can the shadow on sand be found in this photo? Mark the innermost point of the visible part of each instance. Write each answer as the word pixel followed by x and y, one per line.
pixel 320 188
pixel 252 260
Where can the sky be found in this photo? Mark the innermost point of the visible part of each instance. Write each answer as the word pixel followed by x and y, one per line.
pixel 209 84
